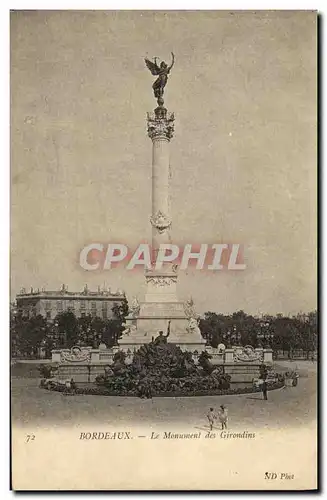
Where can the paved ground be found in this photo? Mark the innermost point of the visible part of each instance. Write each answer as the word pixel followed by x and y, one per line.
pixel 288 407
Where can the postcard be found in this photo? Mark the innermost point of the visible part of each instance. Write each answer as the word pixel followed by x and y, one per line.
pixel 163 308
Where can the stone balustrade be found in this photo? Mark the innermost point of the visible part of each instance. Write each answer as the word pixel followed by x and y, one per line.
pixel 106 356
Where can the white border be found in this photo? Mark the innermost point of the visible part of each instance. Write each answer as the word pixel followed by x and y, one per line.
pixel 4 169
pixel 166 5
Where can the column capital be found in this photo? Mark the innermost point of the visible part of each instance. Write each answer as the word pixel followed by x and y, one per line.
pixel 160 124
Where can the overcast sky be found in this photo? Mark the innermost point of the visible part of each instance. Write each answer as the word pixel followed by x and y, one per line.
pixel 243 156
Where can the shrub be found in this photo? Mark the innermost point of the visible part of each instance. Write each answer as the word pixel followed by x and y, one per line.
pixel 46 371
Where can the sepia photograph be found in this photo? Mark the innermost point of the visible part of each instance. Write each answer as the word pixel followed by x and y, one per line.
pixel 163 250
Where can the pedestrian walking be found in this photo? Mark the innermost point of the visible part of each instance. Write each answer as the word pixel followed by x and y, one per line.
pixel 264 390
pixel 211 417
pixel 223 417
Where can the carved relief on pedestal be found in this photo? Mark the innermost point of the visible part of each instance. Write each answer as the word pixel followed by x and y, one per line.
pixel 76 354
pixel 159 281
pixel 247 354
pixel 160 221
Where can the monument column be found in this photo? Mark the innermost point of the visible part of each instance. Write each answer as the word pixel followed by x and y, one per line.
pixel 160 131
pixel 161 306
pixel 161 284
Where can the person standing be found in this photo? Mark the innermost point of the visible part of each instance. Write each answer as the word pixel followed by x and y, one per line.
pixel 223 417
pixel 211 417
pixel 72 386
pixel 264 390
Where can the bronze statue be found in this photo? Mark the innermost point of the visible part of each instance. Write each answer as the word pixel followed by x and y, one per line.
pixel 162 72
pixel 162 339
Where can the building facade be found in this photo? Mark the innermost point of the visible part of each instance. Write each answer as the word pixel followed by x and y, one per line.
pixel 51 303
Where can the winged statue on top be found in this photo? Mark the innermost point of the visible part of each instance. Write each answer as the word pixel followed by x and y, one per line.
pixel 161 71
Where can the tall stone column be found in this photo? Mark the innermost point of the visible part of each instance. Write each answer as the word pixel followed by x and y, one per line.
pixel 161 285
pixel 160 131
pixel 161 306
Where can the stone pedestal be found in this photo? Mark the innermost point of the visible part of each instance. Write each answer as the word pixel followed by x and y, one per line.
pixel 161 285
pixel 267 355
pixel 217 357
pixel 95 356
pixel 243 373
pixel 55 356
pixel 229 355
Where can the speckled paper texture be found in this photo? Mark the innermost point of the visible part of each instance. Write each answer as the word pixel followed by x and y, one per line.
pixel 243 169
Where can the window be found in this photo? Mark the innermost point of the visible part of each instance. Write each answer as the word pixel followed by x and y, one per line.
pixel 104 314
pixel 104 306
pixel 59 305
pixel 71 305
pixel 47 306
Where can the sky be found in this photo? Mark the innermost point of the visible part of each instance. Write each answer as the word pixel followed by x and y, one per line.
pixel 243 156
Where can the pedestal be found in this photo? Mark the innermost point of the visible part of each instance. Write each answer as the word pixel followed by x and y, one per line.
pixel 229 355
pixel 267 355
pixel 55 356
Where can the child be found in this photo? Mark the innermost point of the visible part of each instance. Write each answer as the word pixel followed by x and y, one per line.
pixel 264 388
pixel 223 417
pixel 211 417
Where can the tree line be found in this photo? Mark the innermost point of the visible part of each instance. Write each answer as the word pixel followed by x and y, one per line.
pixel 281 333
pixel 30 334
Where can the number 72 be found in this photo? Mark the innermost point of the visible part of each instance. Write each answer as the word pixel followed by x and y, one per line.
pixel 30 437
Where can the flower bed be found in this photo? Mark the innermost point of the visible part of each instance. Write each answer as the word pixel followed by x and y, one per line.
pixel 96 390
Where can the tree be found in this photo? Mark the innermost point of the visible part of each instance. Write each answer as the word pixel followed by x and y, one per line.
pixel 114 327
pixel 68 326
pixel 308 332
pixel 27 334
pixel 211 328
pixel 87 334
pixel 113 330
pixel 313 329
pixel 120 310
pixel 14 321
pixel 228 329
